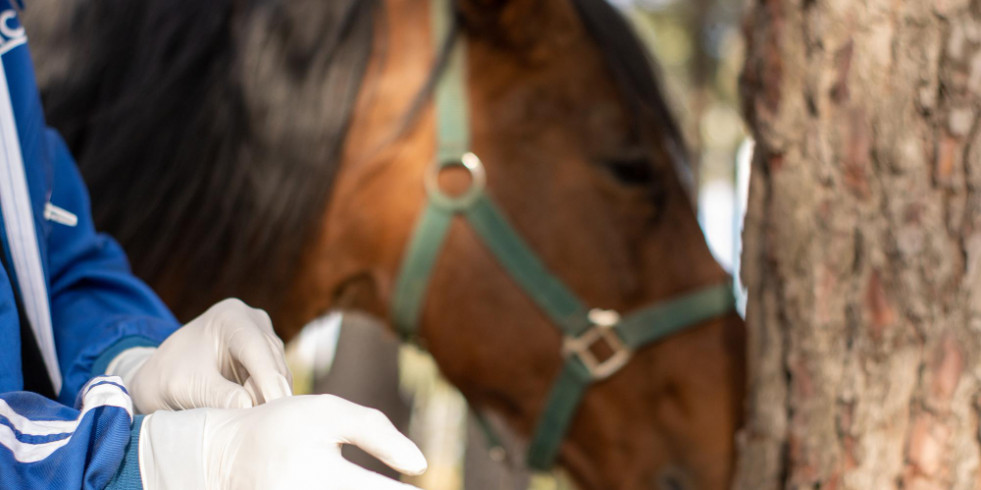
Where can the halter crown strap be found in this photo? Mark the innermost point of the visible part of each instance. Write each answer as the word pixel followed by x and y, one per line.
pixel 453 130
pixel 453 144
pixel 582 328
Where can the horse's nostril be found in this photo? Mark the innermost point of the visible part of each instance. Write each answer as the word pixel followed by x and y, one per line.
pixel 673 478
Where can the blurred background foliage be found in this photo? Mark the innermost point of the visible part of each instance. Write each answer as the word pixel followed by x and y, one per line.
pixel 699 46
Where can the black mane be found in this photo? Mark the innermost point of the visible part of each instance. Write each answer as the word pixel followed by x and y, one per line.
pixel 191 124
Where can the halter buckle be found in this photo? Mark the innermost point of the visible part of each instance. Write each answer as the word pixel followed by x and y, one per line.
pixel 603 323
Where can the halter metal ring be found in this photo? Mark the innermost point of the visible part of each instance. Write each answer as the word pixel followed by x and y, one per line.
pixel 604 321
pixel 478 181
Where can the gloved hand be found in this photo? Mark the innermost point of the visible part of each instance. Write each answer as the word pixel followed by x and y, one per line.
pixel 293 443
pixel 228 357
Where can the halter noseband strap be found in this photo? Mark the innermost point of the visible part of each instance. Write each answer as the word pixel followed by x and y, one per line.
pixel 581 327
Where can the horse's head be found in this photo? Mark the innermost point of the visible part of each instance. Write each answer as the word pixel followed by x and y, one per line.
pixel 582 158
pixel 210 134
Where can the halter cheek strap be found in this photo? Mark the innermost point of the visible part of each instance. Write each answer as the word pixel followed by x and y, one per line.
pixel 582 327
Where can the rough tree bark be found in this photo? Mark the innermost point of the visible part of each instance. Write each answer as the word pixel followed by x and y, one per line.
pixel 863 245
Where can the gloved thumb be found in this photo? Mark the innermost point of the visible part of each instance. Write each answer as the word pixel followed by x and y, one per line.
pixel 374 433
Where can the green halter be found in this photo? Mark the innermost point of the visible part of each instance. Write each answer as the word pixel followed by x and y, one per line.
pixel 581 326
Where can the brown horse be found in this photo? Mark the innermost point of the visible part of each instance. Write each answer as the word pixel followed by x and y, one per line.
pixel 275 150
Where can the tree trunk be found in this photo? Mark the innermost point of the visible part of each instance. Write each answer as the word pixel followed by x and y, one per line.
pixel 863 245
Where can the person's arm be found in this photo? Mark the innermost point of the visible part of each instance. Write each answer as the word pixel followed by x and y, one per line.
pixel 285 444
pixel 100 444
pixel 44 444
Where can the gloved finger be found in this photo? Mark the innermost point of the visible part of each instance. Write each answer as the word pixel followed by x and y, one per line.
pixel 253 392
pixel 254 353
pixel 277 345
pixel 250 323
pixel 356 478
pixel 214 391
pixel 371 430
pixel 262 320
pixel 245 321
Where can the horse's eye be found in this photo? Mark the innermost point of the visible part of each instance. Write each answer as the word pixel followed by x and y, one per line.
pixel 631 170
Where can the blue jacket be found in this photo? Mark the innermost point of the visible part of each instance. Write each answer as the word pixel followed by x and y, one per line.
pixel 78 294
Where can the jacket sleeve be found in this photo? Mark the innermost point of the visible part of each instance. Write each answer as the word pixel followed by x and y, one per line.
pixel 98 308
pixel 94 445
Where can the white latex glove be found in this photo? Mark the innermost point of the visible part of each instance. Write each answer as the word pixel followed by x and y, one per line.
pixel 229 357
pixel 293 443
